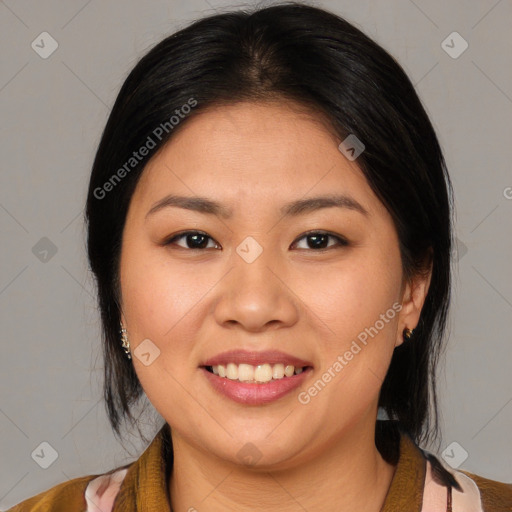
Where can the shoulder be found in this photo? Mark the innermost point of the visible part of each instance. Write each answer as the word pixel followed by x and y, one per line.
pixel 464 490
pixel 98 493
pixel 495 496
pixel 66 496
pixel 90 493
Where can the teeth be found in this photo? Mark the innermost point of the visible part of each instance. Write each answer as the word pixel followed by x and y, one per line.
pixel 232 371
pixel 288 370
pixel 245 372
pixel 261 373
pixel 278 371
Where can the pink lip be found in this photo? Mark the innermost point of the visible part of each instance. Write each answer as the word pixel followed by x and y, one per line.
pixel 256 358
pixel 255 394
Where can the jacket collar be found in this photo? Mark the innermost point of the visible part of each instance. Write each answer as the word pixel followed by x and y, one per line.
pixel 145 486
pixel 406 489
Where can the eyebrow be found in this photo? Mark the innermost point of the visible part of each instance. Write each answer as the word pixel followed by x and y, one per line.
pixel 298 207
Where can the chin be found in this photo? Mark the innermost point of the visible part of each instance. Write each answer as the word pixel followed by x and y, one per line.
pixel 261 452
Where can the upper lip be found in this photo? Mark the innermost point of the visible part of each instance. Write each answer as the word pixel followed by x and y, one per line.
pixel 256 358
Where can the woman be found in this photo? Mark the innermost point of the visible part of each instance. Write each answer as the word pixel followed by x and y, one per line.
pixel 269 224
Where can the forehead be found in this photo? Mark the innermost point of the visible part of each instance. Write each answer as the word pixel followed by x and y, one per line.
pixel 257 152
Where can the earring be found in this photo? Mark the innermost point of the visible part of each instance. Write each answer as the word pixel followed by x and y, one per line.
pixel 125 342
pixel 407 334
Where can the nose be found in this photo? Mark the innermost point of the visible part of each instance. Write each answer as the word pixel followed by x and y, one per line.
pixel 256 296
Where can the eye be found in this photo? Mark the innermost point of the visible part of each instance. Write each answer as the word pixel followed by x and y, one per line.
pixel 193 240
pixel 318 240
pixel 199 240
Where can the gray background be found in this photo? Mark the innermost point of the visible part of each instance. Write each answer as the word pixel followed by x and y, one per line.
pixel 53 113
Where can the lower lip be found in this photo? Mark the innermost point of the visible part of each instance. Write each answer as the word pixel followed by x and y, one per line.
pixel 256 394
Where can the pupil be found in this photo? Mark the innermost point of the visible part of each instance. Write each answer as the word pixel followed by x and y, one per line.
pixel 195 237
pixel 320 241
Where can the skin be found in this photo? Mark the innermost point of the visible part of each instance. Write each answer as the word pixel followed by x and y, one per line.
pixel 195 303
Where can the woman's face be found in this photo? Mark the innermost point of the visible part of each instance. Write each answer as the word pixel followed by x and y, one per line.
pixel 253 281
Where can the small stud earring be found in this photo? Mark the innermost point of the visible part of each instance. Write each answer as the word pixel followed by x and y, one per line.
pixel 407 334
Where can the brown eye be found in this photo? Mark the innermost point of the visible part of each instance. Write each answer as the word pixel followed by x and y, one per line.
pixel 193 240
pixel 319 240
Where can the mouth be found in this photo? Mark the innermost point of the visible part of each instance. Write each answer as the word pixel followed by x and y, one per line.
pixel 255 378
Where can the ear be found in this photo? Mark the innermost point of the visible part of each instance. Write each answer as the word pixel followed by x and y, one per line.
pixel 414 293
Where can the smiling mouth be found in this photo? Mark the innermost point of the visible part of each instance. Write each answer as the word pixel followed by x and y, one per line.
pixel 260 374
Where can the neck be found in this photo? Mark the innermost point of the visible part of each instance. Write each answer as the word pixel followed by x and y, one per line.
pixel 349 474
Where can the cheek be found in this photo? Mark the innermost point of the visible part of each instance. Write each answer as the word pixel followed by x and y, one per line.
pixel 352 369
pixel 358 302
pixel 351 295
pixel 162 303
pixel 157 292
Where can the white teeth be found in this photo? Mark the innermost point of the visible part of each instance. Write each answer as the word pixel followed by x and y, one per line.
pixel 232 371
pixel 278 371
pixel 288 370
pixel 245 372
pixel 261 373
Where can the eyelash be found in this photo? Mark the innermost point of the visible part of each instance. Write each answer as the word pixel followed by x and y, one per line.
pixel 342 242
